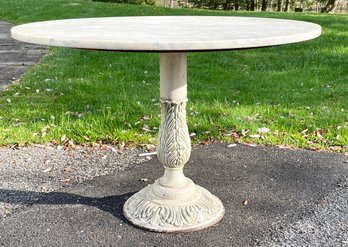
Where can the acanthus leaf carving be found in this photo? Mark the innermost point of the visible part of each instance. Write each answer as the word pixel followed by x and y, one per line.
pixel 168 217
pixel 173 144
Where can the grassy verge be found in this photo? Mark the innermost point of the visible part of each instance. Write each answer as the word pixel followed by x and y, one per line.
pixel 294 95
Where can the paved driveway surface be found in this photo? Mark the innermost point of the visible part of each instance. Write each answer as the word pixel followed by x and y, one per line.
pixel 15 57
pixel 296 198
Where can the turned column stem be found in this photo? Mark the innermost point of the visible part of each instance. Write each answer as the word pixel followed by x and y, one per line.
pixel 173 77
pixel 173 177
pixel 173 145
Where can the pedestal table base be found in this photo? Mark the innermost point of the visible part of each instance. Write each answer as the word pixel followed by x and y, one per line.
pixel 173 203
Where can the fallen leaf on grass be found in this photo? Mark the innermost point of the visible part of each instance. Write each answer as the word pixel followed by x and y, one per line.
pixel 63 138
pixel 76 114
pixel 14 146
pixel 234 135
pixel 146 117
pixel 263 130
pixel 319 132
pixel 146 128
pixel 335 148
pixel 244 132
pixel 45 129
pixel 150 147
pixel 255 136
pixel 303 132
pixel 39 146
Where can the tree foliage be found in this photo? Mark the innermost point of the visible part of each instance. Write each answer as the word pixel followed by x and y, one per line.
pixel 269 5
pixel 219 4
pixel 330 6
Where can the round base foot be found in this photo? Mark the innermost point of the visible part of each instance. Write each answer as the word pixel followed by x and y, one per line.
pixel 162 209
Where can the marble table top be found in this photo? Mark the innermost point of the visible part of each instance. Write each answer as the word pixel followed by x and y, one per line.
pixel 166 33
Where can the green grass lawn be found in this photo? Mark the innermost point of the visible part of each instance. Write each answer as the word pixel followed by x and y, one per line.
pixel 299 91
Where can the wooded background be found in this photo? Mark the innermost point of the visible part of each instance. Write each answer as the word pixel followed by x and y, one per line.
pixel 327 6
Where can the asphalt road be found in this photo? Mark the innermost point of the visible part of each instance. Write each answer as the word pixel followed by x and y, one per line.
pixel 16 57
pixel 296 198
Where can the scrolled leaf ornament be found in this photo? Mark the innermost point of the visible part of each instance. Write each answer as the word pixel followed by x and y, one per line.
pixel 173 144
pixel 173 203
pixel 193 215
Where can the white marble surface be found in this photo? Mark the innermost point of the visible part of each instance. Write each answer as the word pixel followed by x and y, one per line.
pixel 166 33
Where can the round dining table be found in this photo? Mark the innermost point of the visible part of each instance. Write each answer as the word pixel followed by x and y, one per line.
pixel 174 203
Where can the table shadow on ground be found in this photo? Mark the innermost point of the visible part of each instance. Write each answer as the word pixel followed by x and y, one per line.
pixel 282 185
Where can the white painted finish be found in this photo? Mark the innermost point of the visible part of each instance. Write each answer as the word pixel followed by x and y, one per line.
pixel 166 33
pixel 196 209
pixel 173 77
pixel 173 203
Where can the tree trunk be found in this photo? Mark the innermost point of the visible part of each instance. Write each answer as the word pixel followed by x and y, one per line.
pixel 252 5
pixel 286 9
pixel 264 5
pixel 279 5
pixel 171 5
pixel 330 6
